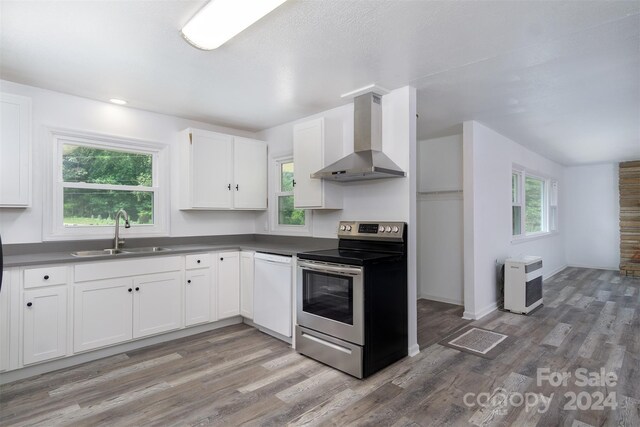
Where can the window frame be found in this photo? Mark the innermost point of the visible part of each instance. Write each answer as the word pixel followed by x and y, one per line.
pixel 276 192
pixel 54 228
pixel 548 183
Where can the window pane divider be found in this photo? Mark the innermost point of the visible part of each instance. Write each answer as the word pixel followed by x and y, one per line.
pixel 115 187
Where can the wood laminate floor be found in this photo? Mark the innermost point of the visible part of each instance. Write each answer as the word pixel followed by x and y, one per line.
pixel 237 375
pixel 437 320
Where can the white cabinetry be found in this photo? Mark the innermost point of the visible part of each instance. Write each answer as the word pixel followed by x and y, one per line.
pixel 102 313
pixel 246 284
pixel 228 284
pixel 44 324
pixel 316 143
pixel 221 171
pixel 197 290
pixel 156 304
pixel 15 151
pixel 145 300
pixel 4 322
pixel 250 174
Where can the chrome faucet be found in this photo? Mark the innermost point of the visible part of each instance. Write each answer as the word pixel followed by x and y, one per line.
pixel 117 241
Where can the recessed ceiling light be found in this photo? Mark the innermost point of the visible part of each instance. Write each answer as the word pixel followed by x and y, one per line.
pixel 118 101
pixel 220 20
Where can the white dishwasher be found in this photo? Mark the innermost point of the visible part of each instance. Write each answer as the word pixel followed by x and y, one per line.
pixel 272 307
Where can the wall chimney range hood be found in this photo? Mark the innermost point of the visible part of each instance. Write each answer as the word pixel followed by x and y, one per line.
pixel 367 161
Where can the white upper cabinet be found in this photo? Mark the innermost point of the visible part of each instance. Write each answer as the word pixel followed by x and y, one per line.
pixel 15 151
pixel 221 171
pixel 316 143
pixel 250 174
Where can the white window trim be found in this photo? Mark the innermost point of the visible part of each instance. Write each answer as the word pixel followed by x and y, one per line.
pixel 548 181
pixel 53 228
pixel 276 228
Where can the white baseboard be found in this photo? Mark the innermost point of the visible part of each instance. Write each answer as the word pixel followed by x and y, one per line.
pixel 440 299
pixel 477 315
pixel 413 350
pixel 595 267
pixel 54 365
pixel 554 272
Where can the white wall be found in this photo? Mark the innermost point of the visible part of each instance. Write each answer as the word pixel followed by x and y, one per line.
pixel 53 109
pixel 440 220
pixel 591 216
pixel 384 200
pixel 488 158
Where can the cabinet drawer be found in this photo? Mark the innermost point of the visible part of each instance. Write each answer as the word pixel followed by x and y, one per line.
pixel 45 276
pixel 198 261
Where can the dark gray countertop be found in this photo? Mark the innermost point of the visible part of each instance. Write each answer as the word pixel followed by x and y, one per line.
pixel 60 252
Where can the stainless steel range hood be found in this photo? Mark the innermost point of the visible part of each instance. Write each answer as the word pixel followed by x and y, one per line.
pixel 367 161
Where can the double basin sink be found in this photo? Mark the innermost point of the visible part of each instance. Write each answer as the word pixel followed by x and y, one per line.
pixel 102 252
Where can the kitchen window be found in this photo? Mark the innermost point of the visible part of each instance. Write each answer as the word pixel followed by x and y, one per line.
pixel 287 218
pixel 95 176
pixel 534 204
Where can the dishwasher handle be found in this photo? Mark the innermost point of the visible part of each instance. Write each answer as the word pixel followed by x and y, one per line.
pixel 276 259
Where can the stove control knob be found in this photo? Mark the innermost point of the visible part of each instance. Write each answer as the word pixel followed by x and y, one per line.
pixel 342 228
pixel 381 228
pixel 388 229
pixel 395 229
pixel 348 228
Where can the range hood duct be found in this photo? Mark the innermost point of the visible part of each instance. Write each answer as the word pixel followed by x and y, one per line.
pixel 367 161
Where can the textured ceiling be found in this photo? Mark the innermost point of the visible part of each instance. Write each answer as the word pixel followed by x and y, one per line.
pixel 561 77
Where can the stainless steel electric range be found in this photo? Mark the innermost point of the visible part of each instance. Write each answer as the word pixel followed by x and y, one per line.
pixel 352 301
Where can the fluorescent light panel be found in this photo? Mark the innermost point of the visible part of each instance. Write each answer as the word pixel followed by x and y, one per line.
pixel 118 101
pixel 220 20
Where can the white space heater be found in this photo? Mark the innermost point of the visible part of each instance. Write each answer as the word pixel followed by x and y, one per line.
pixel 522 284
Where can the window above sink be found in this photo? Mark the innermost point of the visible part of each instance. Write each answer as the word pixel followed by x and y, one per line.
pixel 94 176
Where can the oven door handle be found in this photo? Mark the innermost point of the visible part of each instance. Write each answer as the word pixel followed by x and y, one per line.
pixel 324 268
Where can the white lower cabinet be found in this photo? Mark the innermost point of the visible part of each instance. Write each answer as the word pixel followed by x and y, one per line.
pixel 4 321
pixel 102 313
pixel 228 284
pixel 197 296
pixel 44 324
pixel 156 304
pixel 246 284
pixel 112 311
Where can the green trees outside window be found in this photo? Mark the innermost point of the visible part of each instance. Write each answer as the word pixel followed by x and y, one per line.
pixel 98 182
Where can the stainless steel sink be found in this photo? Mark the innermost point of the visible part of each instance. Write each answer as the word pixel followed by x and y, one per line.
pixel 145 250
pixel 100 252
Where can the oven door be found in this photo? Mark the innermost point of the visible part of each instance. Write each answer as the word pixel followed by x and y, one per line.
pixel 330 299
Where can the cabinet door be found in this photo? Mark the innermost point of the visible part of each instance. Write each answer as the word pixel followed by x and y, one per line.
pixel 45 324
pixel 228 284
pixel 250 174
pixel 156 304
pixel 246 284
pixel 308 158
pixel 15 150
pixel 197 296
pixel 211 170
pixel 102 313
pixel 4 322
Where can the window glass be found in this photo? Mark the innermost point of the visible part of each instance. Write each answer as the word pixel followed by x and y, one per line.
pixel 287 214
pixel 286 176
pixel 515 184
pixel 516 215
pixel 99 166
pixel 95 207
pixel 534 205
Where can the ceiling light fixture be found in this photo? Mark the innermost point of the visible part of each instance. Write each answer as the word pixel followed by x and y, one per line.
pixel 220 20
pixel 118 101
